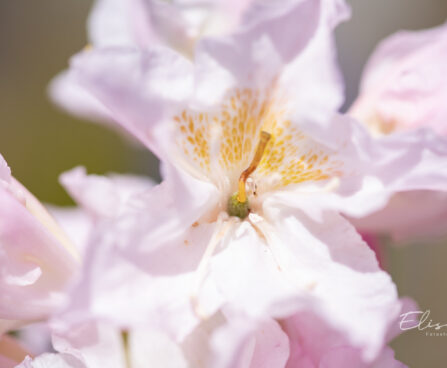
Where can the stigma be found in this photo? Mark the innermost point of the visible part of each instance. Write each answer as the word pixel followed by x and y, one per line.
pixel 238 203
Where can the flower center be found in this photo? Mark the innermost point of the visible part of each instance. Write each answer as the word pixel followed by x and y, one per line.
pixel 238 203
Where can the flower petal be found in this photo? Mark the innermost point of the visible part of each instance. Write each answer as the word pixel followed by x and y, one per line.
pixel 145 86
pixel 249 343
pixel 304 264
pixel 36 266
pixel 67 93
pixel 409 216
pixel 401 87
pixel 103 196
pixel 119 23
pixel 75 222
pixel 257 52
pixel 372 171
pixel 5 171
pixel 332 350
pixel 94 343
pixel 7 363
pixel 151 347
pixel 153 243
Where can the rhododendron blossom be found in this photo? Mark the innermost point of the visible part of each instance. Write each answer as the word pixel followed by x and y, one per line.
pixel 402 89
pixel 258 168
pixel 214 343
pixel 142 24
pixel 245 255
pixel 37 258
pixel 402 85
pixel 226 340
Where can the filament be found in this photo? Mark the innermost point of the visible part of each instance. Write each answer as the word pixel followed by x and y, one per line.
pixel 222 228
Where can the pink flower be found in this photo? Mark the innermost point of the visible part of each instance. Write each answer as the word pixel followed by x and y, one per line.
pixel 409 216
pixel 228 339
pixel 214 343
pixel 313 344
pixel 37 259
pixel 274 243
pixel 402 90
pixel 403 86
pixel 143 24
pixel 179 24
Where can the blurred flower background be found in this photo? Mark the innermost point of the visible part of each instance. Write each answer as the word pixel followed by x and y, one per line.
pixel 40 142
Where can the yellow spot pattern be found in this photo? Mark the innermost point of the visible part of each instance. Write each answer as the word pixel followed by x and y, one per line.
pixel 294 158
pixel 289 156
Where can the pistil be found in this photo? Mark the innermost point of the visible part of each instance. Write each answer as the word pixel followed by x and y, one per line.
pixel 238 203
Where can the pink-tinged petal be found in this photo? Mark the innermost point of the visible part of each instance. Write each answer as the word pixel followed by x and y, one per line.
pixel 376 245
pixel 314 344
pixel 153 348
pixel 103 196
pixel 149 87
pixel 248 274
pixel 145 89
pixel 323 265
pixel 112 282
pixel 247 343
pixel 37 258
pixel 40 213
pixel 257 53
pixel 119 23
pixel 144 23
pixel 76 223
pixel 36 267
pixel 53 361
pixel 402 90
pixel 181 199
pixel 66 92
pixel 348 282
pixel 173 24
pixel 180 24
pixel 5 171
pixel 402 86
pixel 272 346
pixel 7 363
pixel 153 244
pixel 96 344
pixel 372 170
pixel 413 215
pixel 229 340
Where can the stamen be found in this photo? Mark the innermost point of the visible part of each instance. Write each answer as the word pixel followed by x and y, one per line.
pixel 125 340
pixel 221 230
pixel 265 137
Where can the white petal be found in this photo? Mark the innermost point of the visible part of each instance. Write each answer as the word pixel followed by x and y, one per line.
pixel 67 93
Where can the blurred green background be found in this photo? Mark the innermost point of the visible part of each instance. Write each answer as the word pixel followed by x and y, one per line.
pixel 39 141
